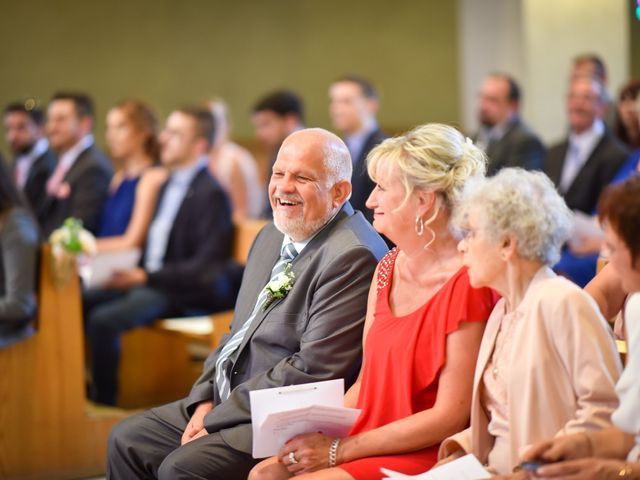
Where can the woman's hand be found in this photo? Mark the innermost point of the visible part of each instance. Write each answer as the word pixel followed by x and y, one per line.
pixel 586 469
pixel 310 453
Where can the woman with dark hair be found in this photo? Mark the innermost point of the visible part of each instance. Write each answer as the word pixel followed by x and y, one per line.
pixel 627 126
pixel 132 140
pixel 614 452
pixel 18 252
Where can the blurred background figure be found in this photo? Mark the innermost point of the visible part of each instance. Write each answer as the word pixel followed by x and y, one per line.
pixel 353 105
pixel 276 116
pixel 627 125
pixel 18 253
pixel 234 167
pixel 79 185
pixel 131 135
pixel 507 141
pixel 33 160
pixel 591 65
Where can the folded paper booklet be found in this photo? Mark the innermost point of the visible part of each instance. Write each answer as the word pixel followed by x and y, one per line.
pixel 464 468
pixel 98 270
pixel 279 414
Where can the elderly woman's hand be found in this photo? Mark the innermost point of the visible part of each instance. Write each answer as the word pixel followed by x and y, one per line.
pixel 310 453
pixel 565 447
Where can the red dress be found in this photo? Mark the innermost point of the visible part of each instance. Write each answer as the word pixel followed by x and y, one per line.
pixel 403 358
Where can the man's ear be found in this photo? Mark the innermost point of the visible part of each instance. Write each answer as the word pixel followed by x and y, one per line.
pixel 201 146
pixel 341 192
pixel 372 105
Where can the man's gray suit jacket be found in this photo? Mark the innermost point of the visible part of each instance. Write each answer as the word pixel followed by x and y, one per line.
pixel 313 334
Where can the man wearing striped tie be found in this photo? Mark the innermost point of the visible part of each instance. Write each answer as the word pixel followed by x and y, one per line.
pixel 298 319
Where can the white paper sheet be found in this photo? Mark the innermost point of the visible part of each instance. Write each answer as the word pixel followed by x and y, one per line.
pixel 464 468
pixel 279 414
pixel 97 272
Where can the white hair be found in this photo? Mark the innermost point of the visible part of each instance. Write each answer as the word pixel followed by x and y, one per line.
pixel 337 162
pixel 520 203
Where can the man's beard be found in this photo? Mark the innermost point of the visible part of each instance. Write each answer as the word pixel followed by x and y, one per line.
pixel 298 228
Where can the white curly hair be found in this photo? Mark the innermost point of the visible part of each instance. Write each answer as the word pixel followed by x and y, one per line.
pixel 520 203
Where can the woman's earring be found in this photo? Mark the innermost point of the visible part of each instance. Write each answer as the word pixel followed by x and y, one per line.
pixel 419 226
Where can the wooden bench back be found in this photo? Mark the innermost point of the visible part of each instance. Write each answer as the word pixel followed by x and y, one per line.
pixel 47 431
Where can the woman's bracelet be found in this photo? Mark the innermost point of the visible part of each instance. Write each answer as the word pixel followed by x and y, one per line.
pixel 333 452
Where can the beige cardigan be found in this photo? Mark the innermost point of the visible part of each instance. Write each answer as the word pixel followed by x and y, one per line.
pixel 562 371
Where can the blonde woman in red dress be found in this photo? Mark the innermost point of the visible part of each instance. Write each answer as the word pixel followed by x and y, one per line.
pixel 424 321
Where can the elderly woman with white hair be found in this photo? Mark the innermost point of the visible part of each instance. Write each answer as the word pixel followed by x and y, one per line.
pixel 547 364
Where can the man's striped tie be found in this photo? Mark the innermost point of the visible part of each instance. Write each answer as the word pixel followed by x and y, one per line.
pixel 287 255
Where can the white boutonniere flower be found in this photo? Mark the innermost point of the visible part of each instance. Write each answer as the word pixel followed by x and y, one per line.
pixel 280 286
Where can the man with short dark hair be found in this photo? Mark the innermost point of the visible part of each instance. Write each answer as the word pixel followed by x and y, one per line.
pixel 186 266
pixel 34 160
pixel 505 138
pixel 311 334
pixel 79 185
pixel 353 104
pixel 274 117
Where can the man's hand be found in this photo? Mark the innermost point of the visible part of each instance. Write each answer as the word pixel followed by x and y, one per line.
pixel 125 279
pixel 195 427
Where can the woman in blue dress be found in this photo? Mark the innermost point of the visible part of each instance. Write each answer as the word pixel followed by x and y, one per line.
pixel 132 140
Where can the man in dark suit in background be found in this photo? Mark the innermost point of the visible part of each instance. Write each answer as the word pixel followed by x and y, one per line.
pixel 34 161
pixel 353 104
pixel 585 162
pixel 79 185
pixel 186 266
pixel 504 137
pixel 312 334
pixel 275 117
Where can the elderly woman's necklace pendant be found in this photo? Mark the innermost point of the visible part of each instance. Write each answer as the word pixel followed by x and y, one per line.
pixel 494 372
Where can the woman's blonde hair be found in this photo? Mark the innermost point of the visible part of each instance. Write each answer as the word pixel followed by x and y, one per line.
pixel 434 156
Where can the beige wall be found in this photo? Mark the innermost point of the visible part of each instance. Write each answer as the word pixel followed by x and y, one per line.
pixel 172 52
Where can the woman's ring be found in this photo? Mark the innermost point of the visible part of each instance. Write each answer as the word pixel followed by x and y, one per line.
pixel 292 458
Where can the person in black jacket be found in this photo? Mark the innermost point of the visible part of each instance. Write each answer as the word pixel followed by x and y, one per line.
pixel 186 264
pixel 34 160
pixel 353 104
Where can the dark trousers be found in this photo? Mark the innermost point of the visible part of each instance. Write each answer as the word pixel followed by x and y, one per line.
pixel 147 446
pixel 109 313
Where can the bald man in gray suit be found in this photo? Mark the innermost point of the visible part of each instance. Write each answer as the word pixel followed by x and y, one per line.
pixel 312 334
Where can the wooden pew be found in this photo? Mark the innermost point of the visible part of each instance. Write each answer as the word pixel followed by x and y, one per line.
pixel 47 428
pixel 161 362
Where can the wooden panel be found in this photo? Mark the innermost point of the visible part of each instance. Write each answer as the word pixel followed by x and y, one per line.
pixel 47 429
pixel 245 234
